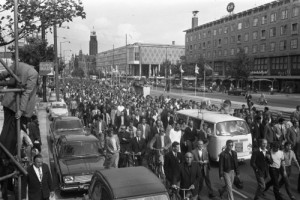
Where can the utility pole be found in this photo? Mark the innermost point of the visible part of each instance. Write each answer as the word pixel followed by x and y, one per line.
pixel 55 59
pixel 126 61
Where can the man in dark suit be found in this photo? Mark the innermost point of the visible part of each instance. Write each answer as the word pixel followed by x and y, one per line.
pixel 167 120
pixel 39 180
pixel 200 155
pixel 28 76
pixel 260 166
pixel 138 147
pixel 257 131
pixel 189 176
pixel 173 159
pixel 188 137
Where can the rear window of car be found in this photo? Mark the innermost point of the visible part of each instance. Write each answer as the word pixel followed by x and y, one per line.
pixel 59 105
pixel 80 148
pixel 71 124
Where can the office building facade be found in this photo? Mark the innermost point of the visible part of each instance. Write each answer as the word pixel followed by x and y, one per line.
pixel 269 33
pixel 138 59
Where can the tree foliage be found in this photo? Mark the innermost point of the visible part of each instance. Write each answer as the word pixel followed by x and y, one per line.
pixel 35 51
pixel 239 67
pixel 35 14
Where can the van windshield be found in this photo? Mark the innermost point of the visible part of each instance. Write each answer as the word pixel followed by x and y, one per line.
pixel 232 128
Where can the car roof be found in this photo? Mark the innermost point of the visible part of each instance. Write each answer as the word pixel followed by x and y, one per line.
pixel 209 116
pixel 129 181
pixel 66 118
pixel 81 137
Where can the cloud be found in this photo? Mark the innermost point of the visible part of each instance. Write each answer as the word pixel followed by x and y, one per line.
pixel 100 23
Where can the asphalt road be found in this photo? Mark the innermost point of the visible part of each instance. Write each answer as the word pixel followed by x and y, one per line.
pixel 277 100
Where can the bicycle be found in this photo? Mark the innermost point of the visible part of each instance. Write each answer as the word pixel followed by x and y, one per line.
pixel 158 164
pixel 174 193
pixel 133 162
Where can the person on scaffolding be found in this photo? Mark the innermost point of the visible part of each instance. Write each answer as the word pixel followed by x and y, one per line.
pixel 28 77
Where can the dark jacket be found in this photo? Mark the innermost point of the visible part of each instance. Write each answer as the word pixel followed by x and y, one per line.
pixel 136 146
pixel 37 189
pixel 189 177
pixel 257 131
pixel 259 163
pixel 225 164
pixel 189 134
pixel 172 165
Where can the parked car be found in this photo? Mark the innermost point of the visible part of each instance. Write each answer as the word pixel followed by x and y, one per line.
pixel 202 89
pixel 135 183
pixel 237 92
pixel 57 109
pixel 66 126
pixel 76 158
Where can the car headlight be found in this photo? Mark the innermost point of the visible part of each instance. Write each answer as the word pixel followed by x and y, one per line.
pixel 68 179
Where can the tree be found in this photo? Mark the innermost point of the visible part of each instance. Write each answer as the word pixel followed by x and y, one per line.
pixel 35 51
pixel 165 67
pixel 239 67
pixel 35 15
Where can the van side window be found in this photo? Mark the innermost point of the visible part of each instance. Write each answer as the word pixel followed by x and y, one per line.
pixel 96 193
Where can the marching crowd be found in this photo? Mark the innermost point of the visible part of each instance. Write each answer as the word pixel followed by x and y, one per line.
pixel 128 123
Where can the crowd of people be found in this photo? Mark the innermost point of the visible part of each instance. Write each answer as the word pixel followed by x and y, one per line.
pixel 127 123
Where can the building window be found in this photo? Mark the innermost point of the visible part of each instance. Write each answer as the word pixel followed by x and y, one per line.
pixel 191 38
pixel 238 50
pixel 255 21
pixel 263 34
pixel 191 47
pixel 284 14
pixel 203 45
pixel 247 23
pixel 232 27
pixel 195 46
pixel 215 32
pixel 279 63
pixel 239 38
pixel 262 47
pixel 283 29
pixel 294 28
pixel 225 52
pixel 273 17
pixel 282 45
pixel 226 40
pixel 199 46
pixel 296 62
pixel 254 48
pixel 220 31
pixel 260 64
pixel 254 35
pixel 220 53
pixel 232 39
pixel 272 46
pixel 232 52
pixel 215 43
pixel 246 37
pixel 264 19
pixel 208 54
pixel 219 42
pixel 226 29
pixel 246 50
pixel 295 11
pixel 199 36
pixel 208 33
pixel 208 44
pixel 240 25
pixel 204 54
pixel 294 44
pixel 273 32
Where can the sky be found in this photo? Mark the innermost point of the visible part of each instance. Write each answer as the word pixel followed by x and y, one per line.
pixel 147 21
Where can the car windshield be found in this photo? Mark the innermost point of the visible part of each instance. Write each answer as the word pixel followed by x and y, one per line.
pixel 157 197
pixel 232 128
pixel 59 106
pixel 68 125
pixel 80 148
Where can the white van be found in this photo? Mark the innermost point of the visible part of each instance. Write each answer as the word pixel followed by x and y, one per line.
pixel 223 127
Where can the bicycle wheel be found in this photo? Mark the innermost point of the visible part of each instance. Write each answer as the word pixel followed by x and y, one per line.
pixel 174 195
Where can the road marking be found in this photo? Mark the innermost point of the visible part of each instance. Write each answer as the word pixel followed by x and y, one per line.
pixel 242 195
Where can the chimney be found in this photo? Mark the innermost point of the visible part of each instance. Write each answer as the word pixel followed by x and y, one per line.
pixel 195 19
pixel 173 42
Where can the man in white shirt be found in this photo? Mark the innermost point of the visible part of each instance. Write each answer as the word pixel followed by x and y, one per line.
pixel 277 161
pixel 175 134
pixel 113 149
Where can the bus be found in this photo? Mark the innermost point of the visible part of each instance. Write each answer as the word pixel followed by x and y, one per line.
pixel 223 127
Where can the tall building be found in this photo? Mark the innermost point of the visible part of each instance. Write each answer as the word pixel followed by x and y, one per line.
pixel 93 43
pixel 268 33
pixel 138 59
